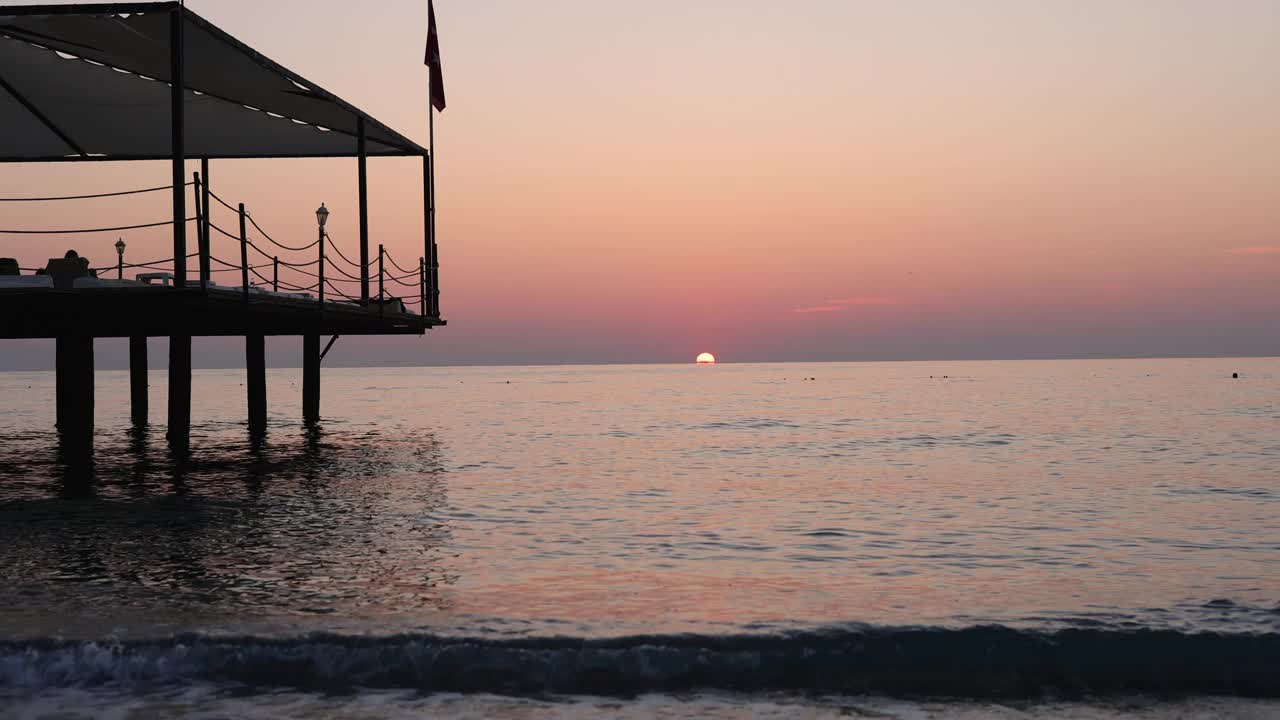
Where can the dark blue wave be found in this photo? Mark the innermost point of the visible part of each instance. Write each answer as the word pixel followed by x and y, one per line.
pixel 979 662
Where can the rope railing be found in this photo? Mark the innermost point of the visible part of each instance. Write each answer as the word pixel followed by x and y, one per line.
pixel 280 284
pixel 336 249
pixel 262 252
pixel 164 264
pixel 339 292
pixel 91 230
pixel 348 277
pixel 335 267
pixel 401 282
pixel 340 281
pixel 225 204
pixel 262 232
pixel 231 266
pixel 397 265
pixel 277 243
pixel 89 197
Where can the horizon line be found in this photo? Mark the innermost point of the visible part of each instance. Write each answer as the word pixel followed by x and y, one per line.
pixel 125 369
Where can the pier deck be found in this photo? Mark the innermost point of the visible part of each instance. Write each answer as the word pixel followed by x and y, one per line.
pixel 166 311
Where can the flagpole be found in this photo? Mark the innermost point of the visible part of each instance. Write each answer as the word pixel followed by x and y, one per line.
pixel 431 171
pixel 435 86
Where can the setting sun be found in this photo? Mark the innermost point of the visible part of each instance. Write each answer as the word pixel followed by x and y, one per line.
pixel 706 359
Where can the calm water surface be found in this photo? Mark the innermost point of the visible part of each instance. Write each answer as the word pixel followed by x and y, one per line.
pixel 734 509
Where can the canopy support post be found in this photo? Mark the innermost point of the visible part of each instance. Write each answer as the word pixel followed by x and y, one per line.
pixel 179 345
pixel 362 153
pixel 178 146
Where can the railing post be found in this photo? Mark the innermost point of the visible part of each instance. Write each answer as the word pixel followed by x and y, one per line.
pixel 320 286
pixel 201 210
pixel 422 286
pixel 381 299
pixel 275 274
pixel 435 280
pixel 206 247
pixel 244 254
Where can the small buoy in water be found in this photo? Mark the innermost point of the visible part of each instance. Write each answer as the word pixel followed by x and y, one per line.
pixel 1235 376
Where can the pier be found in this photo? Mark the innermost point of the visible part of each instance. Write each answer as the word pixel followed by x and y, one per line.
pixel 153 81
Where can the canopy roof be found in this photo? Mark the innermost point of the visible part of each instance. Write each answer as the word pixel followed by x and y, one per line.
pixel 92 82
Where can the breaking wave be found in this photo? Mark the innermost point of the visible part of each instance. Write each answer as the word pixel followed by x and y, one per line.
pixel 979 662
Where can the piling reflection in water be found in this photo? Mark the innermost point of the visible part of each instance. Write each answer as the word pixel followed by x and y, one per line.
pixel 312 520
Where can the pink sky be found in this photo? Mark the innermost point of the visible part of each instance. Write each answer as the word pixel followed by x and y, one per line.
pixel 811 180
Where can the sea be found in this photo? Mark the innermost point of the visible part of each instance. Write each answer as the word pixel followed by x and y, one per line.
pixel 1023 539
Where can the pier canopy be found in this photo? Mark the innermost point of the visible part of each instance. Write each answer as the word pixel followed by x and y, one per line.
pixel 92 82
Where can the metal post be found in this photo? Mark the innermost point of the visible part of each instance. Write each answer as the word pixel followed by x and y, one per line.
pixel 428 227
pixel 244 254
pixel 435 280
pixel 275 274
pixel 435 256
pixel 363 159
pixel 321 285
pixel 178 144
pixel 422 286
pixel 138 380
pixel 205 246
pixel 381 298
pixel 179 345
pixel 201 213
pixel 120 266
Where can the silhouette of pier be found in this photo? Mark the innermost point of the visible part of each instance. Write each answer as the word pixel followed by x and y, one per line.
pixel 154 81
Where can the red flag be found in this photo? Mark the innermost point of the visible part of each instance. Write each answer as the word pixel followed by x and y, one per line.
pixel 433 59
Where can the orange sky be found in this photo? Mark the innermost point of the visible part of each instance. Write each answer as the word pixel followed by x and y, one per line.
pixel 785 181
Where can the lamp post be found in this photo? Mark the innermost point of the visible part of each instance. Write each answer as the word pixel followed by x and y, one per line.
pixel 120 258
pixel 322 217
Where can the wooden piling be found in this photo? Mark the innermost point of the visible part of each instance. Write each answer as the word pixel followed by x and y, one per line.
pixel 256 365
pixel 138 383
pixel 310 378
pixel 179 390
pixel 75 390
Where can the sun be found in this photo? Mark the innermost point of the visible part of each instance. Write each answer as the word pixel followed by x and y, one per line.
pixel 706 359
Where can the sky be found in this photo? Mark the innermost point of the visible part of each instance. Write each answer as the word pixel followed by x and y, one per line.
pixel 776 181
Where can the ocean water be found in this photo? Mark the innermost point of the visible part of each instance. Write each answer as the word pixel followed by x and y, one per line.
pixel 982 539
